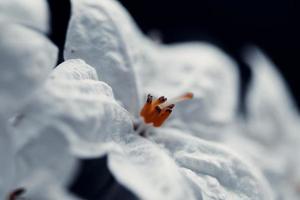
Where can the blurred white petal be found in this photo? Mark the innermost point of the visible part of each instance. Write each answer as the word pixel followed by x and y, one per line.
pixel 269 103
pixel 48 152
pixel 97 34
pixel 269 135
pixel 26 59
pixel 31 13
pixel 146 170
pixel 43 185
pixel 273 123
pixel 77 106
pixel 216 170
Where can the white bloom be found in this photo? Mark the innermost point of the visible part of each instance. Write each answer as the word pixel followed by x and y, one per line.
pixel 74 105
pixel 196 67
pixel 71 114
pixel 126 52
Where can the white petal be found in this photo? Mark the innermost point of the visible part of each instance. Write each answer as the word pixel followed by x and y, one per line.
pixel 216 170
pixel 147 171
pixel 48 152
pixel 270 133
pixel 43 185
pixel 31 13
pixel 26 59
pixel 80 108
pixel 76 70
pixel 98 33
pixel 269 103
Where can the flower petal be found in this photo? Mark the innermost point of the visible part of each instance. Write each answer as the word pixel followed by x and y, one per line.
pixel 48 153
pixel 82 109
pixel 270 107
pixel 43 185
pixel 96 35
pixel 26 58
pixel 31 13
pixel 147 171
pixel 216 170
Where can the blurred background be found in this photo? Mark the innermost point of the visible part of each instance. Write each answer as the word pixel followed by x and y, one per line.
pixel 273 25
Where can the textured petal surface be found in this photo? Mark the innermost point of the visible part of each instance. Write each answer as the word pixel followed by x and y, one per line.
pixel 73 103
pixel 147 171
pixel 31 13
pixel 99 35
pixel 26 59
pixel 216 170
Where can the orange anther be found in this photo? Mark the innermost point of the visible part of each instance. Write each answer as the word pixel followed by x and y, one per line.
pixel 157 122
pixel 158 110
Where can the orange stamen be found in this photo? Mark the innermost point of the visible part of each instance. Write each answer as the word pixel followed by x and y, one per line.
pixel 147 107
pixel 159 110
pixel 157 122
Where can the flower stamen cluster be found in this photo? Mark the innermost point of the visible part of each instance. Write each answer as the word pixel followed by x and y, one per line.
pixel 157 111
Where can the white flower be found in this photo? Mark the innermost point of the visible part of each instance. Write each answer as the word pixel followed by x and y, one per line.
pixel 74 105
pixel 71 114
pixel 129 58
pixel 130 63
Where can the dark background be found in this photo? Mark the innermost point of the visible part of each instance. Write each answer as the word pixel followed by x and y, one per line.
pixel 273 25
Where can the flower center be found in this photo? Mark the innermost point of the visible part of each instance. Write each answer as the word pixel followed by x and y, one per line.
pixel 156 111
